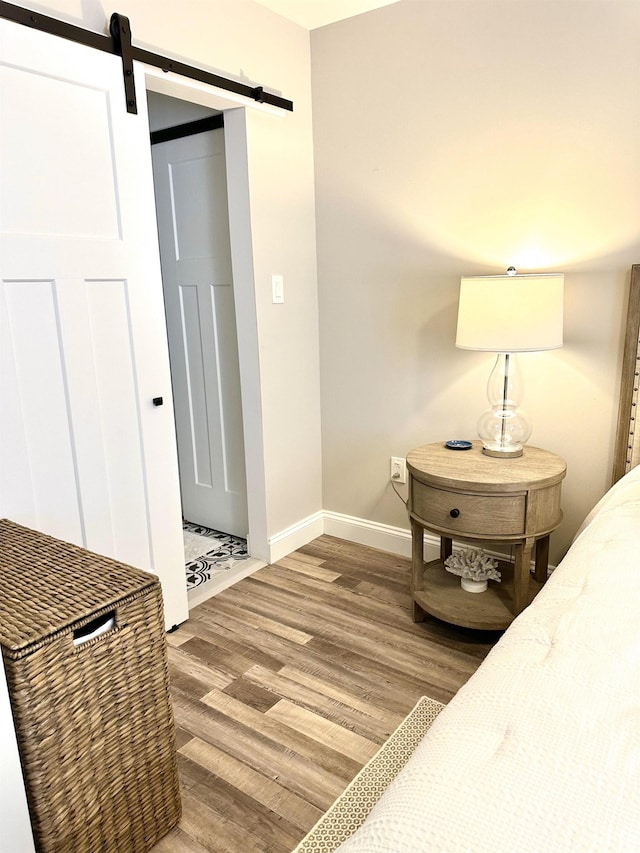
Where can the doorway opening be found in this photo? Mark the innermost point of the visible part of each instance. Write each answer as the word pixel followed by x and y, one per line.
pixel 190 179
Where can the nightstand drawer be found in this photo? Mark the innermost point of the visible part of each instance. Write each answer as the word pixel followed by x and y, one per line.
pixel 480 515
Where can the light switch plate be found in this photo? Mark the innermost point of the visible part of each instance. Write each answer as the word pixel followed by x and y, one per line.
pixel 277 289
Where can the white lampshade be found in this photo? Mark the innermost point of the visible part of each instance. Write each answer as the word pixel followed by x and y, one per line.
pixel 510 313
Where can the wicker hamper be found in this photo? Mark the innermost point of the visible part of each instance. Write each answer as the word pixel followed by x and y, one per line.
pixel 92 713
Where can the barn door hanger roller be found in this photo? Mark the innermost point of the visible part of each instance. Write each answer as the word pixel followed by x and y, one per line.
pixel 121 34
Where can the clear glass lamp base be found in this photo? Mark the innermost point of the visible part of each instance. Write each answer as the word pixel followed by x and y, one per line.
pixel 501 453
pixel 504 429
pixel 503 432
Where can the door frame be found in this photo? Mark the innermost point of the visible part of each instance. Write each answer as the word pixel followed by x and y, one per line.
pixel 236 143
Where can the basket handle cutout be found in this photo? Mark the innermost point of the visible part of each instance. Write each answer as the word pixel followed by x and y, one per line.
pixel 95 628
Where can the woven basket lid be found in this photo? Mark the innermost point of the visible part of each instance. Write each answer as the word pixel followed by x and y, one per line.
pixel 46 585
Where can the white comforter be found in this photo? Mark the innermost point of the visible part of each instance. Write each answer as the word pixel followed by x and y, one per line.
pixel 540 750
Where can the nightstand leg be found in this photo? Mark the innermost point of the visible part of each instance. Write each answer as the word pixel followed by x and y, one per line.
pixel 542 560
pixel 417 613
pixel 521 572
pixel 446 547
pixel 417 567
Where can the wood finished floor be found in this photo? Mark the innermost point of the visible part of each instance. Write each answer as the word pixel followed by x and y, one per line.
pixel 287 683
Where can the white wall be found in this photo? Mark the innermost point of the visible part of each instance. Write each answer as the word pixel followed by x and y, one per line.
pixel 455 138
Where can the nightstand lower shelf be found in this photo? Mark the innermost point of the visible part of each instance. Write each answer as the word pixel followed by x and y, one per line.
pixel 443 597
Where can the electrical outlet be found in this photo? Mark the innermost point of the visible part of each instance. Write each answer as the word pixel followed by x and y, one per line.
pixel 398 469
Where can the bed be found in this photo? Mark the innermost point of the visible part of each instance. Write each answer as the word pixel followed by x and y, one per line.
pixel 540 750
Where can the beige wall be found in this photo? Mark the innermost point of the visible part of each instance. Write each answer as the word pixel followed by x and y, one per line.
pixel 457 138
pixel 243 40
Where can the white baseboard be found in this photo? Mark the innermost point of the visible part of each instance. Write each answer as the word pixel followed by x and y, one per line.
pixel 396 540
pixel 374 534
pixel 296 536
pixel 385 537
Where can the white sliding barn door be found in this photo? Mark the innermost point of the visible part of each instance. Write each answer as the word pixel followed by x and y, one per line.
pixel 193 225
pixel 84 453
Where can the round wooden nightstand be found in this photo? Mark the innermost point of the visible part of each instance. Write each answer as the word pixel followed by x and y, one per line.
pixel 466 495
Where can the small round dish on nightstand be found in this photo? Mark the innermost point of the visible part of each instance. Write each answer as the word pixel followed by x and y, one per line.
pixel 458 444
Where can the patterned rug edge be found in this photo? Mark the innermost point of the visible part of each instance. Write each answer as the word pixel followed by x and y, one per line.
pixel 355 803
pixel 226 551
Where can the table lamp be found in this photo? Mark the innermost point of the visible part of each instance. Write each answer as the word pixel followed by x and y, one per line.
pixel 507 314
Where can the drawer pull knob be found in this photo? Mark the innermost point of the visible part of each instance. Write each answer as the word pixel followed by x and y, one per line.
pixel 454 513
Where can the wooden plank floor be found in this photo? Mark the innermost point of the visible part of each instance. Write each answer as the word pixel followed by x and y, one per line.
pixel 287 683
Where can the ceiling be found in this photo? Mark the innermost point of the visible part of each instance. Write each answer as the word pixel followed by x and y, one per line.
pixel 317 13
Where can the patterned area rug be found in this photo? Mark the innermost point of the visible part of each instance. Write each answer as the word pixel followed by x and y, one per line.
pixel 352 807
pixel 208 552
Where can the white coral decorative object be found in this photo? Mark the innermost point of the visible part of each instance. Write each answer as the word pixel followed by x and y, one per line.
pixel 473 564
